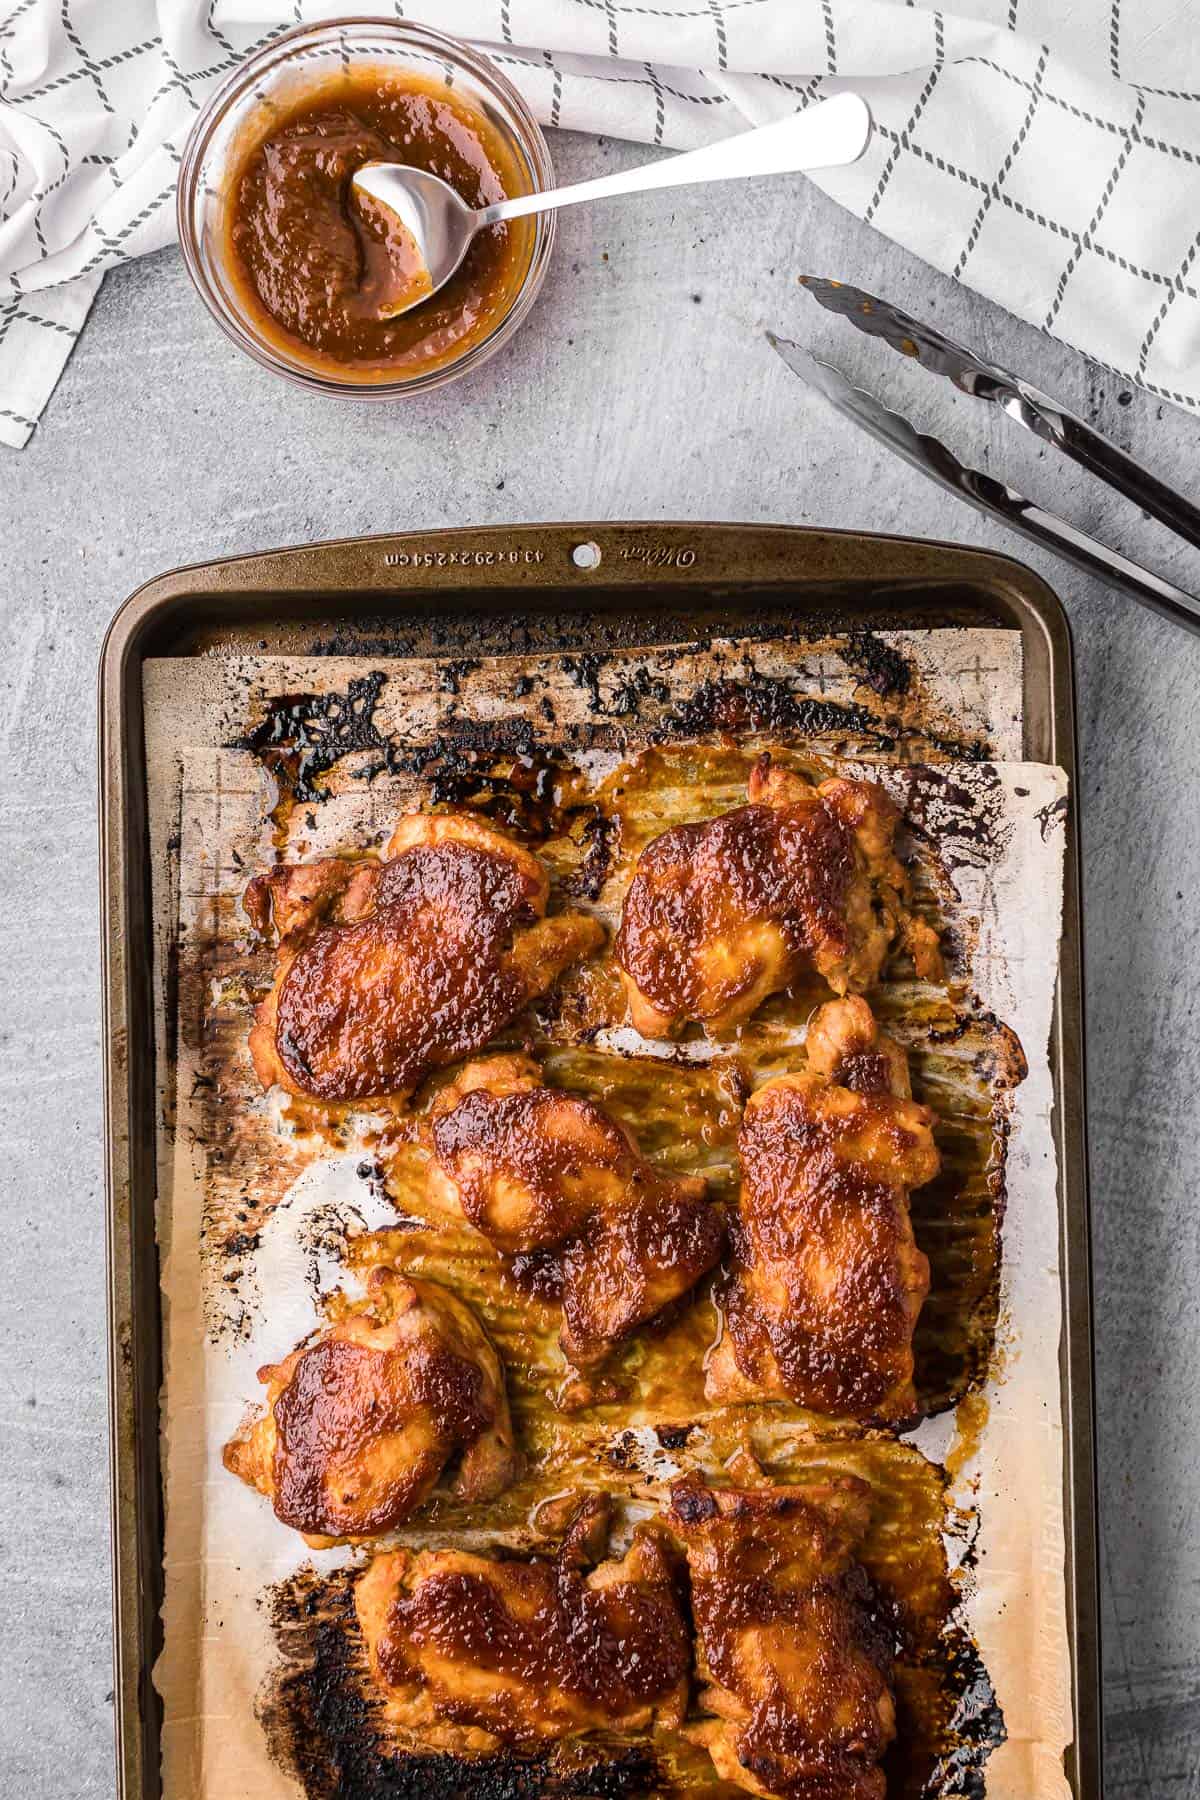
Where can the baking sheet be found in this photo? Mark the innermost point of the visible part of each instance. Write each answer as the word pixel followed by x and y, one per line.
pixel 223 1545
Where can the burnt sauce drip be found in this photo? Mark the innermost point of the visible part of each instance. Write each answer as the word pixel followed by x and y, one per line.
pixel 301 737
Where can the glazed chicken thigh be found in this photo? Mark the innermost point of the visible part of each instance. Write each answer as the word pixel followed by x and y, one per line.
pixel 362 1419
pixel 797 1670
pixel 388 970
pixel 826 1280
pixel 529 1651
pixel 722 914
pixel 538 1170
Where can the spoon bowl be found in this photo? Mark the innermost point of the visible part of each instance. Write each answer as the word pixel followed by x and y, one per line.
pixel 430 227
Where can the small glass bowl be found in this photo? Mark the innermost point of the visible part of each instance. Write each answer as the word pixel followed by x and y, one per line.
pixel 275 79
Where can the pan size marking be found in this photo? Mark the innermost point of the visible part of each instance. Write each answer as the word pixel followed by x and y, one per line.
pixel 449 559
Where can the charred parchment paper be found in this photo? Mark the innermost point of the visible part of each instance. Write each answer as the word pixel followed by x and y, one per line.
pixel 256 1218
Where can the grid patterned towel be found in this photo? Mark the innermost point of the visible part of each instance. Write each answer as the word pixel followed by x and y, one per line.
pixel 1047 154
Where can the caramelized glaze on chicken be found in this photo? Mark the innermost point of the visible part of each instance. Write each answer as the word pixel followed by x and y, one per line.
pixel 720 915
pixel 826 1280
pixel 796 1667
pixel 388 970
pixel 538 1170
pixel 363 1418
pixel 526 1651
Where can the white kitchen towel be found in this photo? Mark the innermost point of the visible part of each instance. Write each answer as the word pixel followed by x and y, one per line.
pixel 1047 152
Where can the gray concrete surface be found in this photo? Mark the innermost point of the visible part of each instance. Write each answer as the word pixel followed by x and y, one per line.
pixel 641 388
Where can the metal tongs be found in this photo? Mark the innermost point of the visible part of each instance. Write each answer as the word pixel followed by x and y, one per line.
pixel 1036 411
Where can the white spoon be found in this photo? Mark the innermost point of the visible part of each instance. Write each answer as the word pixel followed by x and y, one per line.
pixel 438 226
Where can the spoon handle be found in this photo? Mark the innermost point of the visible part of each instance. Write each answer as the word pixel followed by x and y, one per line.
pixel 821 137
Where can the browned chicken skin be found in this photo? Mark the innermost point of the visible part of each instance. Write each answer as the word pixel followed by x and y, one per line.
pixel 363 1418
pixel 388 970
pixel 538 1170
pixel 826 1280
pixel 720 915
pixel 528 1651
pixel 796 1669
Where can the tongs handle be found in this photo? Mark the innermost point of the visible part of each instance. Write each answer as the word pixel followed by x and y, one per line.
pixel 1114 466
pixel 1085 551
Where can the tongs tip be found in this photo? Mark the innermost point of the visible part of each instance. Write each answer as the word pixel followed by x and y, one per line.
pixel 801 361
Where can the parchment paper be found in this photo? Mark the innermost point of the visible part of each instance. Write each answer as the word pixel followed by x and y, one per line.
pixel 223 1544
